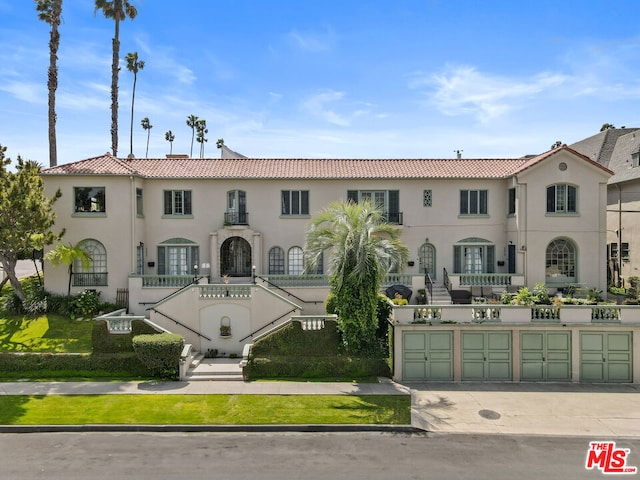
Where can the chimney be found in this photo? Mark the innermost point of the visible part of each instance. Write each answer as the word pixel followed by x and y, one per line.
pixel 458 154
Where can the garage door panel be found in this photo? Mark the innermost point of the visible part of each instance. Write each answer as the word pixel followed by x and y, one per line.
pixel 473 341
pixel 619 372
pixel 545 356
pixel 558 371
pixel 532 371
pixel 593 372
pixel 428 356
pixel 414 341
pixel 414 370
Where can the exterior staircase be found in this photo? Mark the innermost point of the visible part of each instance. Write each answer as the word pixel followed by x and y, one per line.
pixel 440 296
pixel 214 369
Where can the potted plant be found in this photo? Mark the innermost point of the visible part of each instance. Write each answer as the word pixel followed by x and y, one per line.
pixel 225 330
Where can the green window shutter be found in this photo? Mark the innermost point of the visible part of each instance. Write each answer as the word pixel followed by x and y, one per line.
pixel 491 259
pixel 187 202
pixel 352 196
pixel 161 260
pixel 457 259
pixel 295 202
pixel 551 199
pixel 483 202
pixel 571 199
pixel 168 202
pixel 195 259
pixel 394 204
pixel 305 202
pixel 464 202
pixel 286 202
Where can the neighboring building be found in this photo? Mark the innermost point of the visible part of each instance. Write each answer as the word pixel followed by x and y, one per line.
pixel 618 149
pixel 154 223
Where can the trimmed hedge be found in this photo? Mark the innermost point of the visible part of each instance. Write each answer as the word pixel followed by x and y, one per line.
pixel 60 364
pixel 105 342
pixel 160 353
pixel 292 341
pixel 317 367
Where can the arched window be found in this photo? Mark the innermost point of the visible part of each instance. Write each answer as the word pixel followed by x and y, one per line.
pixel 296 261
pixel 560 266
pixel 276 261
pixel 474 255
pixel 96 274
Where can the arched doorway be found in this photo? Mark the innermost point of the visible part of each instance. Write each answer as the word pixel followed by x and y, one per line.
pixel 427 259
pixel 235 257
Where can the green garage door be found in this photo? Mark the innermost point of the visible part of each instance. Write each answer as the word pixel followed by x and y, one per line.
pixel 606 357
pixel 427 356
pixel 486 356
pixel 545 356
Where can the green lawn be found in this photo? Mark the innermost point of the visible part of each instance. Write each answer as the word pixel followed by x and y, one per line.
pixel 205 409
pixel 45 333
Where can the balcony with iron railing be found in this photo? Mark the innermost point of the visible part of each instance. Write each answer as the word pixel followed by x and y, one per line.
pixel 92 279
pixel 236 218
pixel 393 217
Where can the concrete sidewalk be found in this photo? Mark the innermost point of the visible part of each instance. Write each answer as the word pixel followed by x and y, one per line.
pixel 599 412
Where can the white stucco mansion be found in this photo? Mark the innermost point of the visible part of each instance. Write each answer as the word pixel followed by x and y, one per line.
pixel 156 223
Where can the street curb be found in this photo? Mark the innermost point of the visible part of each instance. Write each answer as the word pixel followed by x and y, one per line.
pixel 209 428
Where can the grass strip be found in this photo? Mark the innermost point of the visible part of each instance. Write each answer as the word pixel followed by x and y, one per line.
pixel 162 409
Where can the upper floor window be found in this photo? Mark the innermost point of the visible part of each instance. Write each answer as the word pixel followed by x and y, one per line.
pixel 387 201
pixel 90 200
pixel 295 202
pixel 512 201
pixel 562 198
pixel 613 250
pixel 635 159
pixel 177 202
pixel 276 261
pixel 473 202
pixel 236 213
pixel 139 205
pixel 474 255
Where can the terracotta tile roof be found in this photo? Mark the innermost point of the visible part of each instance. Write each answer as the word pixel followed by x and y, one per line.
pixel 539 158
pixel 291 168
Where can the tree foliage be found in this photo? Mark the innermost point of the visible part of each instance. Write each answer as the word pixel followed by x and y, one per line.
pixel 192 122
pixel 67 255
pixel 26 216
pixel 362 248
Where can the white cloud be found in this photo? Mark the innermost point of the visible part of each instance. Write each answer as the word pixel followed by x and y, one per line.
pixel 464 90
pixel 317 105
pixel 26 92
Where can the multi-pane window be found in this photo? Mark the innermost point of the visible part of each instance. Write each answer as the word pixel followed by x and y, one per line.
pixel 177 202
pixel 276 261
pixel 387 201
pixel 296 261
pixel 177 256
pixel 473 202
pixel 236 213
pixel 139 205
pixel 512 201
pixel 613 248
pixel 295 202
pixel 473 255
pixel 95 274
pixel 90 200
pixel 562 198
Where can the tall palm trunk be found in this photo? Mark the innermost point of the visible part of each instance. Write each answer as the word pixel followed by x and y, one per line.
pixel 115 69
pixel 133 99
pixel 52 83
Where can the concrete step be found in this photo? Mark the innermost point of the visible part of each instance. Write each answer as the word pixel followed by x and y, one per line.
pixel 215 369
pixel 214 378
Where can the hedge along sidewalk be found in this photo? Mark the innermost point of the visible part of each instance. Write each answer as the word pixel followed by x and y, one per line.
pixel 384 387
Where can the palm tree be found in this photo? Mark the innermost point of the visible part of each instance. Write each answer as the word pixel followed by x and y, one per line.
pixel 362 248
pixel 133 65
pixel 192 121
pixel 68 255
pixel 117 10
pixel 202 129
pixel 170 137
pixel 50 11
pixel 147 126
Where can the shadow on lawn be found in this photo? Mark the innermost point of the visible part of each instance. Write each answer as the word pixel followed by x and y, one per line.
pixel 12 407
pixel 385 409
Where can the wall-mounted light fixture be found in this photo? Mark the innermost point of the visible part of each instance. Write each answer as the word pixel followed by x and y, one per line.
pixel 523 248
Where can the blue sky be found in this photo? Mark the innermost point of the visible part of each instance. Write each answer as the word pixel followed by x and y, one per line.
pixel 326 78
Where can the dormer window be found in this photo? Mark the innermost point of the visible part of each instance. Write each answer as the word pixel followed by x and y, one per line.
pixel 635 159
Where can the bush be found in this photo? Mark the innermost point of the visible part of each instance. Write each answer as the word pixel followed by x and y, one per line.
pixel 316 367
pixel 50 365
pixel 330 305
pixel 292 341
pixel 85 305
pixel 160 353
pixel 104 342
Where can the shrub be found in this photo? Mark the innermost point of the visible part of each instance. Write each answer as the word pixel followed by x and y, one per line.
pixel 540 294
pixel 317 367
pixel 159 353
pixel 330 304
pixel 291 340
pixel 85 305
pixel 524 297
pixel 104 342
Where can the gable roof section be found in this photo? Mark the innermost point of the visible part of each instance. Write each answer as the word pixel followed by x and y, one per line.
pixel 291 168
pixel 621 158
pixel 540 158
pixel 600 147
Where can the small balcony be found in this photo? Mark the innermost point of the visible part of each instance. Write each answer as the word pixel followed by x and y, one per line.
pixel 236 218
pixel 393 217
